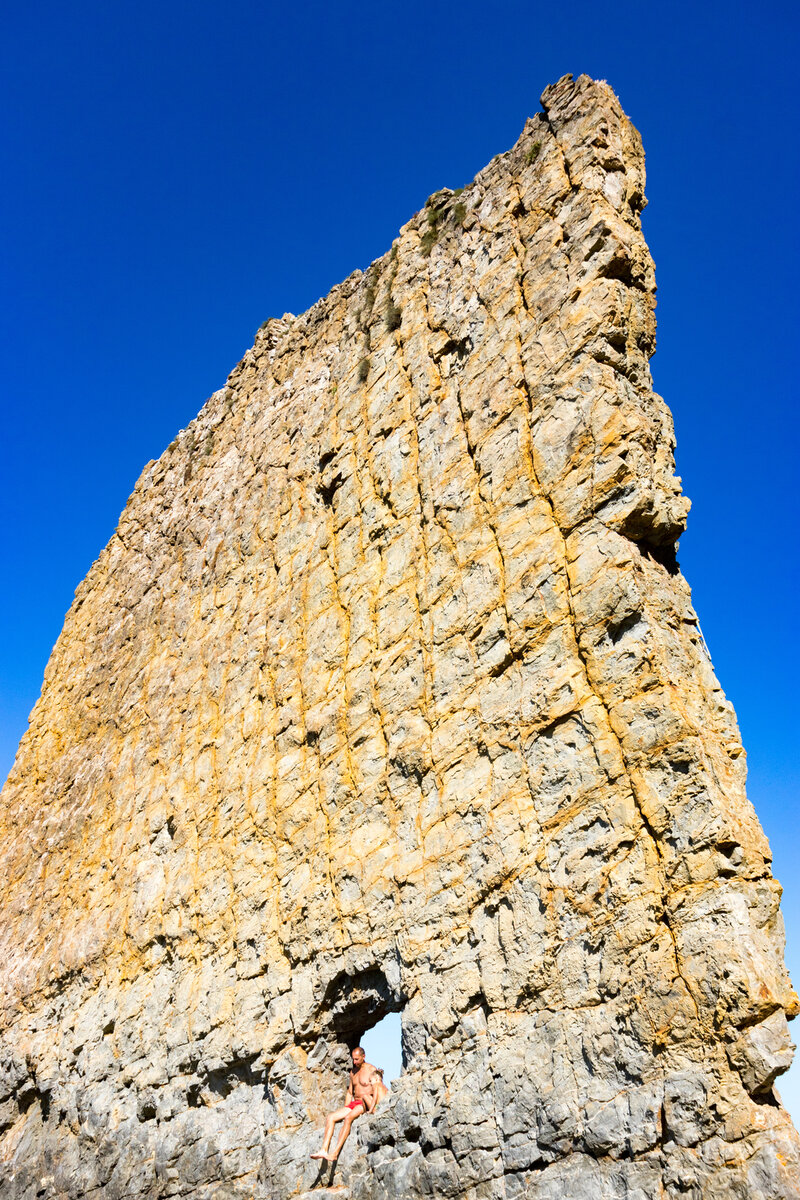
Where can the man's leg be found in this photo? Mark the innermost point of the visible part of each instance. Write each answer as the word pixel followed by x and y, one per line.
pixel 340 1115
pixel 346 1124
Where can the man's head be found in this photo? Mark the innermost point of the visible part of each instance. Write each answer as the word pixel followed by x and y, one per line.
pixel 359 1057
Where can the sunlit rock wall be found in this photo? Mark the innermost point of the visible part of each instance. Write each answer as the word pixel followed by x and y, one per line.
pixel 387 694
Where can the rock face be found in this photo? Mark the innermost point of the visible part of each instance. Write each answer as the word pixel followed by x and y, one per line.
pixel 387 695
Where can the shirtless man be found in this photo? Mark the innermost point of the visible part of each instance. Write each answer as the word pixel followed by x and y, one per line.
pixel 361 1097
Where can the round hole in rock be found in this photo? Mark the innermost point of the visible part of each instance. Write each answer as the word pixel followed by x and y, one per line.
pixel 356 1002
pixel 381 1044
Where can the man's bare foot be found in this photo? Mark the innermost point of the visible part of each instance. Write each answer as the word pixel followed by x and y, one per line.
pixel 322 1154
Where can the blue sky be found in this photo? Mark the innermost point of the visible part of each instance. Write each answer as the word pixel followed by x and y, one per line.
pixel 176 173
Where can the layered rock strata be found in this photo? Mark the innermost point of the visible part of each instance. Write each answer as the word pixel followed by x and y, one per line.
pixel 387 695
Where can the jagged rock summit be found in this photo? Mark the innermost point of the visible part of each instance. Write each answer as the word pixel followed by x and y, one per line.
pixel 387 694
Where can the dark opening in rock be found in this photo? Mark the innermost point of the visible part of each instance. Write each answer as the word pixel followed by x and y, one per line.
pixel 357 1002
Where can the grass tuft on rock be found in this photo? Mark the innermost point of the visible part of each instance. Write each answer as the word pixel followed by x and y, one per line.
pixel 394 315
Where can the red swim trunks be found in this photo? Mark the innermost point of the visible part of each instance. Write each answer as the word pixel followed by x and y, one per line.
pixel 356 1104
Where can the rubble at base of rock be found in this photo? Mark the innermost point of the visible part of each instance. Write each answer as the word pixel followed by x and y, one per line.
pixel 387 694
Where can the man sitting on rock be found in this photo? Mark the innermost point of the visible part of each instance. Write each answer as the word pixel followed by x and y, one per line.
pixel 361 1097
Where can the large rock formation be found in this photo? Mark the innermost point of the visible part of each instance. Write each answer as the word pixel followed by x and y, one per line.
pixel 387 694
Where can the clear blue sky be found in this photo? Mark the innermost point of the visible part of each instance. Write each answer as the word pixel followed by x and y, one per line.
pixel 175 173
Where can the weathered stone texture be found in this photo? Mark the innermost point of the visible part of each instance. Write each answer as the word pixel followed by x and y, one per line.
pixel 387 694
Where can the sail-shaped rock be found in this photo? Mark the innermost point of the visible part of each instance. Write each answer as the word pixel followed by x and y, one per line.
pixel 387 694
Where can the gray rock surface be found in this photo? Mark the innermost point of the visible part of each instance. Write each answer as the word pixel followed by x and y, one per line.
pixel 387 695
